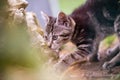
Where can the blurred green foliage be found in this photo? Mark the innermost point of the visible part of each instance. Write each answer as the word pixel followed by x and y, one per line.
pixel 109 40
pixel 68 6
pixel 15 48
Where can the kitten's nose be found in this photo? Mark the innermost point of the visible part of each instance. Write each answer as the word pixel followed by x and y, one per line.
pixel 49 46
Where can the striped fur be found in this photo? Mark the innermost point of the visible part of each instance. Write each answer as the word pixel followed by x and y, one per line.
pixel 85 27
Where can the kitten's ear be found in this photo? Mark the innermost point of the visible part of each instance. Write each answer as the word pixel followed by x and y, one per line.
pixel 65 20
pixel 62 17
pixel 72 22
pixel 45 16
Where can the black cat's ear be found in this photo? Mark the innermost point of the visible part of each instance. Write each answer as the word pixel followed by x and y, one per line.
pixel 45 16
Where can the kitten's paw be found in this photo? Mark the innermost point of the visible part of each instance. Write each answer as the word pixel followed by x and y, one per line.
pixel 108 66
pixel 60 66
pixel 63 63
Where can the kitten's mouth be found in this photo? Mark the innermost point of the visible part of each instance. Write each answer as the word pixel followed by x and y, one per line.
pixel 56 50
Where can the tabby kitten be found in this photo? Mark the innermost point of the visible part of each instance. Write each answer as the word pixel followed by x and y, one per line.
pixel 85 27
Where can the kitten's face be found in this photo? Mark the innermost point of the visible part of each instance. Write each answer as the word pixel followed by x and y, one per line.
pixel 58 30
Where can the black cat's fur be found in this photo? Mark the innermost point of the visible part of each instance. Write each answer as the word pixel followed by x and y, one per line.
pixel 99 19
pixel 94 20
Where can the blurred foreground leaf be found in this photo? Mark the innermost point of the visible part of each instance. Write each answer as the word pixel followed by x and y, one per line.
pixel 15 48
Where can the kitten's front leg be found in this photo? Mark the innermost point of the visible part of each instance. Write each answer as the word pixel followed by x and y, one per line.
pixel 112 63
pixel 77 57
pixel 116 60
pixel 85 53
pixel 93 57
pixel 113 55
pixel 109 54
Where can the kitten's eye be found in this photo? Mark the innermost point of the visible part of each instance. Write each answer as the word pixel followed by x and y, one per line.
pixel 54 37
pixel 66 24
pixel 64 35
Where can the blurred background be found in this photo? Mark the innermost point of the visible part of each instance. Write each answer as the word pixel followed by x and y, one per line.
pixel 52 7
